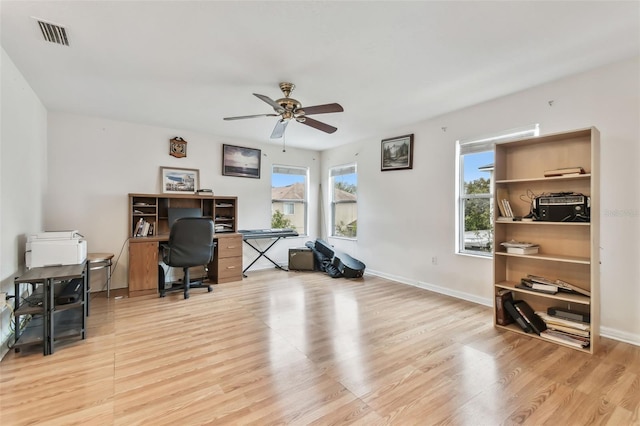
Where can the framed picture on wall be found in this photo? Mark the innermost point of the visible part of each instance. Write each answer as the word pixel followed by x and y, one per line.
pixel 397 153
pixel 240 162
pixel 179 181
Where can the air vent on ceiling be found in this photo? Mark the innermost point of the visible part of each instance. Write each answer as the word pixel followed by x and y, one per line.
pixel 53 33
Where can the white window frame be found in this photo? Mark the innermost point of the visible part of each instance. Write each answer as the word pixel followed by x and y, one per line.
pixel 299 171
pixel 477 145
pixel 344 169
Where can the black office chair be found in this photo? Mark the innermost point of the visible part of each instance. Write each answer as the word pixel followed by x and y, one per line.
pixel 190 244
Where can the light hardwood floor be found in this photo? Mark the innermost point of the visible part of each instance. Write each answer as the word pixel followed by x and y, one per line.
pixel 302 348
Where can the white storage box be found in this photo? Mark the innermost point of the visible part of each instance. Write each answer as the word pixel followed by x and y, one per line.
pixel 55 248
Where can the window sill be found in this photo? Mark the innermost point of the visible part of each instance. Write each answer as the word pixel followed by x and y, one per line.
pixel 476 254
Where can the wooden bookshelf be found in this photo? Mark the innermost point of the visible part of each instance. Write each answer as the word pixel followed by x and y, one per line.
pixel 569 250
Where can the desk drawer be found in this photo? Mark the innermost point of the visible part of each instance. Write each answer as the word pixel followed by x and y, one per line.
pixel 229 269
pixel 229 247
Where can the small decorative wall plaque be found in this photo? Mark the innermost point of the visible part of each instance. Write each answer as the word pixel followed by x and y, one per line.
pixel 178 147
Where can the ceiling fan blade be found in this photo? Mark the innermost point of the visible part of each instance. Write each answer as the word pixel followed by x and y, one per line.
pixel 250 116
pixel 322 109
pixel 319 125
pixel 278 131
pixel 276 106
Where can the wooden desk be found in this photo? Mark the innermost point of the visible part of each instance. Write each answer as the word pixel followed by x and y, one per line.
pixel 226 265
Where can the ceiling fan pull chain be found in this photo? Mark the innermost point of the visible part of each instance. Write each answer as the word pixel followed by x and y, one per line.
pixel 284 144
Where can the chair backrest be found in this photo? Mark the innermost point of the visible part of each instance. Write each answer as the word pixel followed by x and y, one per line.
pixel 190 242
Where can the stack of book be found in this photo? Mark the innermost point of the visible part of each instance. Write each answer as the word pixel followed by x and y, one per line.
pixel 143 228
pixel 505 209
pixel 519 247
pixel 557 285
pixel 572 333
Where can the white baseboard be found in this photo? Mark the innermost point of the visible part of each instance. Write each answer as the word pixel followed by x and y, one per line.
pixel 607 332
pixel 621 336
pixel 436 289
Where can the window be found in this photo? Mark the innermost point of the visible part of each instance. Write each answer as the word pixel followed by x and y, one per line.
pixel 289 198
pixel 343 184
pixel 289 209
pixel 475 189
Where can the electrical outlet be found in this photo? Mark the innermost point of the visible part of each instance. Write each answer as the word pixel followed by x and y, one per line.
pixel 434 260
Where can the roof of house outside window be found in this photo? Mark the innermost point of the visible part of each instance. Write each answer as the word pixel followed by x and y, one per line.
pixel 294 192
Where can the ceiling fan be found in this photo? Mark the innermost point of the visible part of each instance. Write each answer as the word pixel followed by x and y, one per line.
pixel 290 109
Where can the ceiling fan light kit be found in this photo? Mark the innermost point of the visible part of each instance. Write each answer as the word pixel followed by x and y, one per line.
pixel 291 109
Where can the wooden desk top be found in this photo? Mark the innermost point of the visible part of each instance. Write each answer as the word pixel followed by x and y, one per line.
pixel 165 237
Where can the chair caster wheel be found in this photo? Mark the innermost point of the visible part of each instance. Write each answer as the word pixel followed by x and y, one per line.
pixel 209 289
pixel 162 294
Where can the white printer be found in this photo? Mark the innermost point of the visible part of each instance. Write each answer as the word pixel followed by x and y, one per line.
pixel 55 248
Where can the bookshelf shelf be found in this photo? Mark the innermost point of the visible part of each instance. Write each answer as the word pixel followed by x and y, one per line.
pixel 585 176
pixel 568 251
pixel 566 297
pixel 515 329
pixel 550 257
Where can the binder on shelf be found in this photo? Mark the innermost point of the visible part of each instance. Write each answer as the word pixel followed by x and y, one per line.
pixel 502 316
pixel 517 317
pixel 536 323
pixel 526 318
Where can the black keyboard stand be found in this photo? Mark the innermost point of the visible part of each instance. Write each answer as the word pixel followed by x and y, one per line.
pixel 262 253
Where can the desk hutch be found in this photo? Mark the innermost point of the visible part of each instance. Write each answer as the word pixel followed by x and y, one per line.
pixel 226 265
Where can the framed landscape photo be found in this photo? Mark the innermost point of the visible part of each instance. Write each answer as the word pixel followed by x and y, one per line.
pixel 179 181
pixel 397 153
pixel 240 162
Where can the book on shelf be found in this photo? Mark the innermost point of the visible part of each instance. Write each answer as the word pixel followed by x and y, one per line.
pixel 502 193
pixel 526 284
pixel 568 286
pixel 566 171
pixel 562 285
pixel 507 208
pixel 523 250
pixel 138 228
pixel 569 330
pixel 576 325
pixel 145 229
pixel 502 317
pixel 519 247
pixel 558 336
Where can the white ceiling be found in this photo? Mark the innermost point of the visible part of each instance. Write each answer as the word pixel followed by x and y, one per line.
pixel 188 64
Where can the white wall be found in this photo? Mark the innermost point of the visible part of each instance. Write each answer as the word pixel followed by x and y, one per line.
pixel 23 170
pixel 95 162
pixel 407 217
